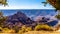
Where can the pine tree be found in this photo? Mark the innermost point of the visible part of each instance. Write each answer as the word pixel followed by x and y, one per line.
pixel 3 2
pixel 55 4
pixel 2 19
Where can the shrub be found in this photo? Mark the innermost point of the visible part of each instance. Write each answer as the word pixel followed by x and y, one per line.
pixel 23 29
pixel 43 27
pixel 20 32
pixel 1 29
pixel 2 19
pixel 6 30
pixel 11 31
pixel 28 29
pixel 57 16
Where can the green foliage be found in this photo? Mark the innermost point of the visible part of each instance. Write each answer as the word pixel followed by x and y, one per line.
pixel 1 29
pixel 20 32
pixel 57 4
pixel 2 19
pixel 6 30
pixel 58 16
pixel 25 29
pixel 43 27
pixel 28 29
pixel 54 3
pixel 3 2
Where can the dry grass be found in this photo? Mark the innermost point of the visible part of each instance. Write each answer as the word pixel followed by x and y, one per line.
pixel 8 33
pixel 37 32
pixel 42 32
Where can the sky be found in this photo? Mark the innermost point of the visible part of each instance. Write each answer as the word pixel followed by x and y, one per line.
pixel 26 4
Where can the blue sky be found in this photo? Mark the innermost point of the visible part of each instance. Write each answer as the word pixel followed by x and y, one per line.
pixel 30 12
pixel 26 4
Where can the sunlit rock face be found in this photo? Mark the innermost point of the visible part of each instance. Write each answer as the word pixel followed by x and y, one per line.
pixel 51 21
pixel 38 18
pixel 3 2
pixel 55 3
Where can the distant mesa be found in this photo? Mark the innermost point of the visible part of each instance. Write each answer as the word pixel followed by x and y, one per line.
pixel 48 21
pixel 20 19
pixel 52 23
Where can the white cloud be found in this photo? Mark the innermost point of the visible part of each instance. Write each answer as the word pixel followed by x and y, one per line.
pixel 25 7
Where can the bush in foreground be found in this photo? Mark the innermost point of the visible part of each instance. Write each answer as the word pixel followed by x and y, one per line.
pixel 43 27
pixel 24 29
